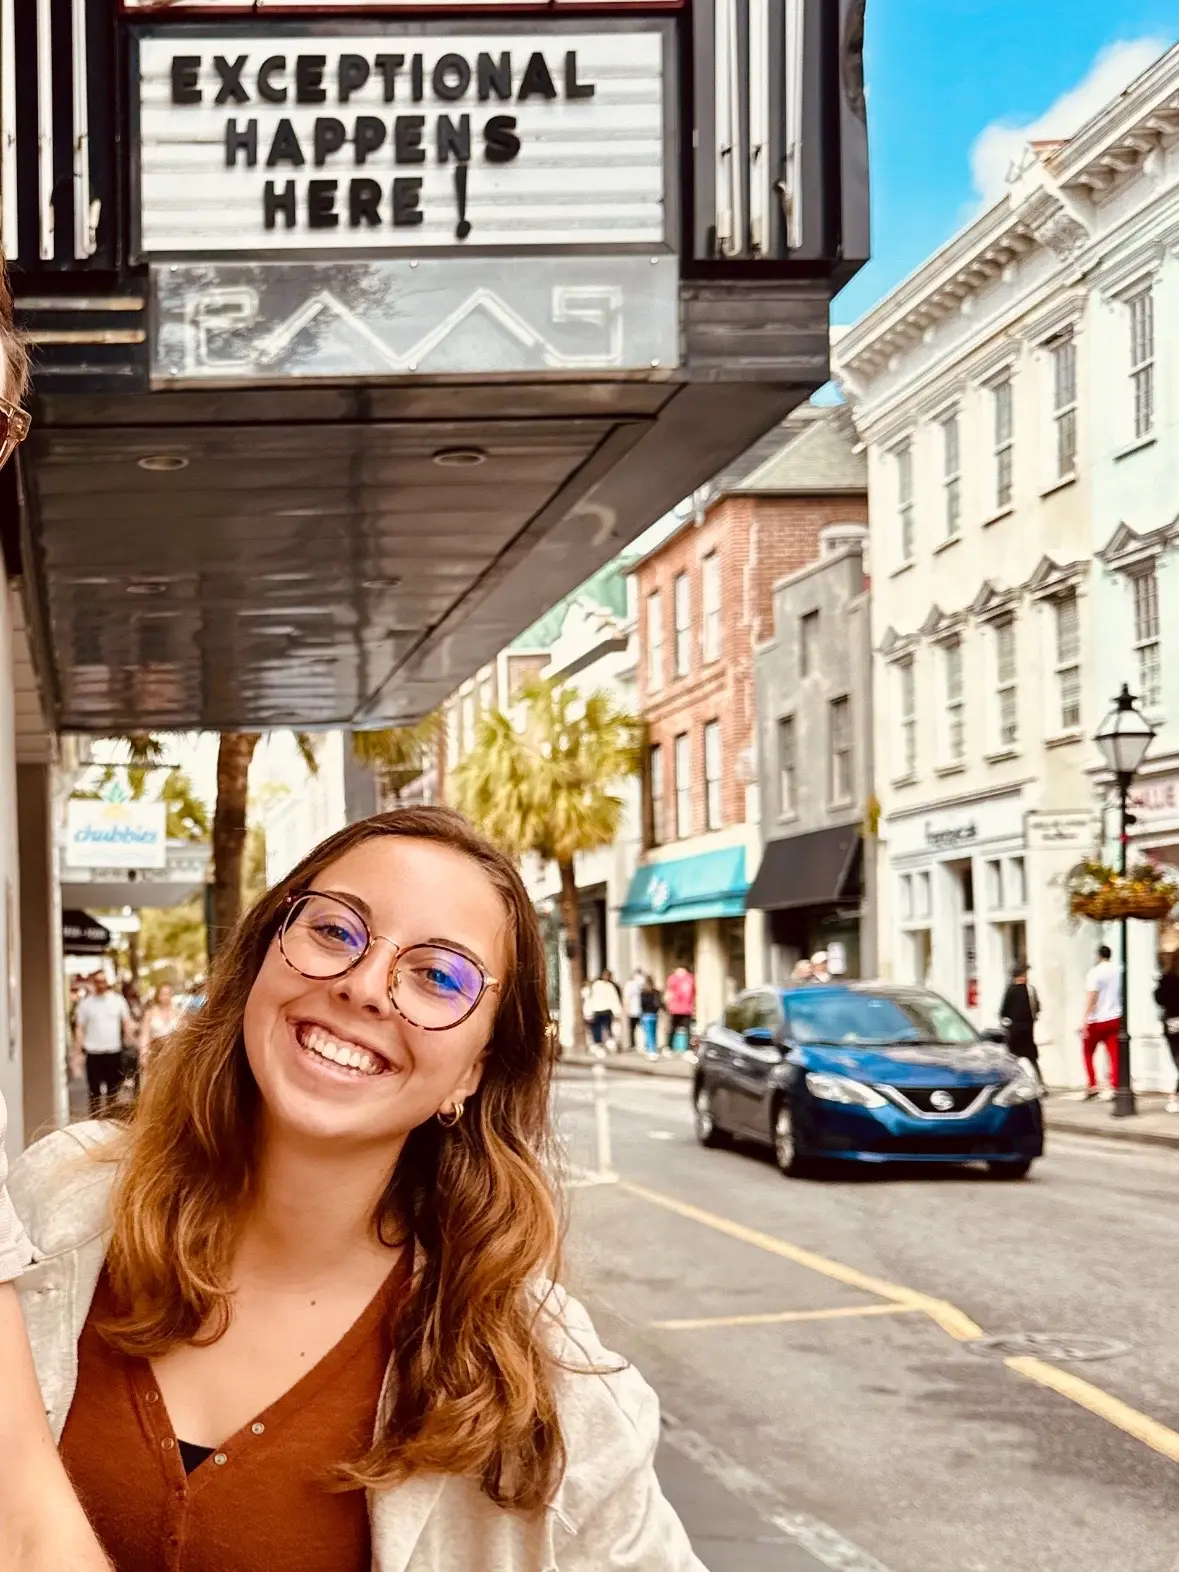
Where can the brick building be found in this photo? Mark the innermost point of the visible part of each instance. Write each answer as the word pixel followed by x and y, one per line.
pixel 704 601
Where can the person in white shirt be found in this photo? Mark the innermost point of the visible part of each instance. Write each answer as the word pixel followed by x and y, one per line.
pixel 632 998
pixel 605 1005
pixel 102 1029
pixel 1103 1014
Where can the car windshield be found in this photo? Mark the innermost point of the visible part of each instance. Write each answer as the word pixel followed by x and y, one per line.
pixel 821 1015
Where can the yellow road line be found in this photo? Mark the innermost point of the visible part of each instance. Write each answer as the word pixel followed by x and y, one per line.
pixel 951 1320
pixel 1099 1402
pixel 779 1317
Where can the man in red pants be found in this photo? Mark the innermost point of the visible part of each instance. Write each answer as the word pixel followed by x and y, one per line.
pixel 1103 1013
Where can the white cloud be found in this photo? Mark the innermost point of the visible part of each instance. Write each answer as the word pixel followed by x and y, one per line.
pixel 1113 69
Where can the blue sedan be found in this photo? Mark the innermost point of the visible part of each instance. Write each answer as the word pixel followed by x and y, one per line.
pixel 864 1073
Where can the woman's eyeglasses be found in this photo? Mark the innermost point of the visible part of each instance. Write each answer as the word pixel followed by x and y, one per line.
pixel 430 985
pixel 14 428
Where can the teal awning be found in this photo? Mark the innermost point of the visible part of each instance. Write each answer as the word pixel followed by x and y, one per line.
pixel 710 885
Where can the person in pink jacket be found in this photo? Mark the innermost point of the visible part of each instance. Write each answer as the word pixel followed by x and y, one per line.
pixel 679 997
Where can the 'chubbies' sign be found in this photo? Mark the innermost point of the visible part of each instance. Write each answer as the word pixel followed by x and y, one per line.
pixel 391 140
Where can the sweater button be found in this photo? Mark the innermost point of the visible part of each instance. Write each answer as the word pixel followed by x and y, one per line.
pixel 219 1458
pixel 257 1427
pixel 167 1443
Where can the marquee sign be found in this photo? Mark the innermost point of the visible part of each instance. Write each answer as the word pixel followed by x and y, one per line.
pixel 381 141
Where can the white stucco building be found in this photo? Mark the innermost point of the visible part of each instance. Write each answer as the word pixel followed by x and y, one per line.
pixel 1018 396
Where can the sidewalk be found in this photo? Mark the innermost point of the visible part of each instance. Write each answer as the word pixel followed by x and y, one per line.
pixel 1151 1126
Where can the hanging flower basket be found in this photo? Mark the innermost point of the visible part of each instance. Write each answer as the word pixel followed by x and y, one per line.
pixel 1101 894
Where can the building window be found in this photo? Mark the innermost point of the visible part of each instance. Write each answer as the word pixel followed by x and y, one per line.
pixel 904 458
pixel 1146 637
pixel 787 768
pixel 839 723
pixel 683 624
pixel 654 641
pixel 808 643
pixel 951 474
pixel 907 710
pixel 1015 883
pixel 1066 612
pixel 1005 683
pixel 710 594
pixel 955 702
pixel 1064 403
pixel 683 786
pixel 1004 441
pixel 655 776
pixel 1142 361
pixel 712 775
pixel 906 897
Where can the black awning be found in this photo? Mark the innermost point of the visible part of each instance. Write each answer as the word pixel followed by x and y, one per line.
pixel 82 934
pixel 819 869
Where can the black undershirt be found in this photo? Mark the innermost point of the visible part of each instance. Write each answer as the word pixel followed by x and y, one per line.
pixel 192 1456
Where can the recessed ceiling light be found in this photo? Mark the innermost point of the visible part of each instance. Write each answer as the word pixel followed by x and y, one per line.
pixel 162 463
pixel 460 458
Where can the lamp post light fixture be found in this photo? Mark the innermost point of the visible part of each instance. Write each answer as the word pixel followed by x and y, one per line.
pixel 1123 737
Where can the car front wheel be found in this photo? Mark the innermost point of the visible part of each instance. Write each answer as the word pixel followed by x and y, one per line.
pixel 1010 1171
pixel 785 1154
pixel 708 1132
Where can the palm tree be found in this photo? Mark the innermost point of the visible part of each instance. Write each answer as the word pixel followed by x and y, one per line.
pixel 400 753
pixel 545 780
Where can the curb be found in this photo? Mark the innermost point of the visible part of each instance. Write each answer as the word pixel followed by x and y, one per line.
pixel 1055 1121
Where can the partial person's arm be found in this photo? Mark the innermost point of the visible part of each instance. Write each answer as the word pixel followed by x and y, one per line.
pixel 1090 1006
pixel 42 1526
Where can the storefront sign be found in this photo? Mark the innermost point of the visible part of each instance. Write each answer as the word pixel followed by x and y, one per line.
pixel 1061 831
pixel 1156 799
pixel 116 835
pixel 389 140
pixel 257 321
pixel 946 837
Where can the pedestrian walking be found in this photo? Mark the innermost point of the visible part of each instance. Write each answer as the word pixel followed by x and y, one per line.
pixel 1018 1015
pixel 1103 1013
pixel 605 1005
pixel 1166 996
pixel 102 1030
pixel 650 1004
pixel 333 1223
pixel 160 1019
pixel 632 999
pixel 819 970
pixel 679 997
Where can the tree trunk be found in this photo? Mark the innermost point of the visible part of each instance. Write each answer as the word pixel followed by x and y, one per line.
pixel 234 753
pixel 571 924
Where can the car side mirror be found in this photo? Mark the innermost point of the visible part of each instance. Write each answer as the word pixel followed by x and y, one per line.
pixel 759 1037
pixel 994 1034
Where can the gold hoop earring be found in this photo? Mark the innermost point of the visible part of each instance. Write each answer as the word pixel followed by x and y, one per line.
pixel 456 1114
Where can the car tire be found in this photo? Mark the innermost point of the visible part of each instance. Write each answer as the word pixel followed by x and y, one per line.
pixel 782 1137
pixel 708 1132
pixel 1010 1171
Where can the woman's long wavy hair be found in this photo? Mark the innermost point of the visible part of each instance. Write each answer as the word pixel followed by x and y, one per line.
pixel 473 1392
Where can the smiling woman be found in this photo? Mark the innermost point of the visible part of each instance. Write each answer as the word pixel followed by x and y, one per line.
pixel 324 1331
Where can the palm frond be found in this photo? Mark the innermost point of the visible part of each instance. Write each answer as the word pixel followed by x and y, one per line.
pixel 306 746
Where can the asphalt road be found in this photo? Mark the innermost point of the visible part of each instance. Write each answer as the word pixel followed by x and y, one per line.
pixel 883 1436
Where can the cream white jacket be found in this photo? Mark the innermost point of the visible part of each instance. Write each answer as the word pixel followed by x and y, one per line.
pixel 609 1514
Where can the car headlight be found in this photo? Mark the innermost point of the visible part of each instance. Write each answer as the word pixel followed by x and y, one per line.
pixel 839 1089
pixel 1022 1089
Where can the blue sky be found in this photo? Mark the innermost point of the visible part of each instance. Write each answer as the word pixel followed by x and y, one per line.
pixel 954 84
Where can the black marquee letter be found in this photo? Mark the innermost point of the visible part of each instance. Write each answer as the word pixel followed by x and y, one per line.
pixel 185 73
pixel 309 88
pixel 321 204
pixel 501 144
pixel 285 149
pixel 231 90
pixel 454 141
pixel 364 203
pixel 407 195
pixel 353 74
pixel 452 78
pixel 329 136
pixel 538 81
pixel 369 136
pixel 266 87
pixel 495 76
pixel 574 88
pixel 276 202
pixel 407 140
pixel 241 142
pixel 388 66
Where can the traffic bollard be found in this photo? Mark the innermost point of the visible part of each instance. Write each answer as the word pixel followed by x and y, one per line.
pixel 602 1121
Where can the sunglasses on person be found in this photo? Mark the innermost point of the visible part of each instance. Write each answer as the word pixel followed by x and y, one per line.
pixel 432 986
pixel 14 428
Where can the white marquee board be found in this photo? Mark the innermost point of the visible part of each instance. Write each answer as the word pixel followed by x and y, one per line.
pixel 380 141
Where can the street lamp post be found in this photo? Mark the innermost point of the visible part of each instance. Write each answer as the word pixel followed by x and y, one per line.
pixel 1123 737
